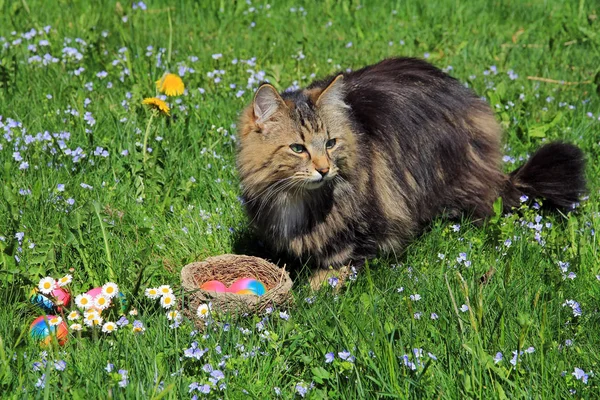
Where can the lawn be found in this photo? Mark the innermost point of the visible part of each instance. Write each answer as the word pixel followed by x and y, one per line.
pixel 81 197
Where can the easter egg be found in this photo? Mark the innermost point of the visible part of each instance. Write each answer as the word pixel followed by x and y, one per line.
pixel 54 302
pixel 41 301
pixel 42 332
pixel 214 286
pixel 247 286
pixel 94 292
pixel 62 298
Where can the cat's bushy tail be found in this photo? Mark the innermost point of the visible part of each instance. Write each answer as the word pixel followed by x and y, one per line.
pixel 553 174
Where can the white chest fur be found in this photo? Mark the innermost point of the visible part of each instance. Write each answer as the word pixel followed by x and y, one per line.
pixel 289 214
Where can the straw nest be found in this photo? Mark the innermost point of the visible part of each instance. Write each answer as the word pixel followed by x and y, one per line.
pixel 227 269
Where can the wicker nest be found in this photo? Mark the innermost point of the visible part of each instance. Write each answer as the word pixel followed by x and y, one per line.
pixel 227 269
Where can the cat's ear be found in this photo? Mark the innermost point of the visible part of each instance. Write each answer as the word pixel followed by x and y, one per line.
pixel 333 94
pixel 266 102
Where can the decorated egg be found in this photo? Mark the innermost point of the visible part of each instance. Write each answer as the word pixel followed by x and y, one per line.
pixel 41 301
pixel 214 286
pixel 94 292
pixel 42 331
pixel 58 298
pixel 248 286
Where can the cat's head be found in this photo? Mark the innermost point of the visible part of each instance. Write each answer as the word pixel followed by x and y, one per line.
pixel 298 141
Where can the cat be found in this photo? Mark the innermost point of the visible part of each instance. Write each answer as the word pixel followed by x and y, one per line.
pixel 362 161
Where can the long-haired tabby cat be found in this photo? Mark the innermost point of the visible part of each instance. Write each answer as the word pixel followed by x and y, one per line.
pixel 364 160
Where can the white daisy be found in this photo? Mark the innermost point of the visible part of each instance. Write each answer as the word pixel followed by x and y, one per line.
pixel 92 318
pixel 173 315
pixel 84 301
pixel 165 289
pixel 167 301
pixel 97 321
pixel 152 293
pixel 73 315
pixel 47 285
pixel 76 327
pixel 55 321
pixel 109 327
pixel 101 302
pixel 203 310
pixel 110 289
pixel 65 280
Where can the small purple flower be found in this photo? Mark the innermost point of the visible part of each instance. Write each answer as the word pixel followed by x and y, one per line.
pixel 329 357
pixel 498 357
pixel 415 297
pixel 568 343
pixel 301 389
pixel 284 315
pixel 204 388
pixel 124 381
pixel 580 374
pixel 523 198
pixel 41 382
pixel 515 357
pixel 408 363
pixel 217 375
pixel 60 365
pixel 346 356
pixel 434 316
pixel 109 367
pixel 333 281
pixel 574 306
pixel 464 308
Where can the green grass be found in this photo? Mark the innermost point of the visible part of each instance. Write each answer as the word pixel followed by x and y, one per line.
pixel 147 221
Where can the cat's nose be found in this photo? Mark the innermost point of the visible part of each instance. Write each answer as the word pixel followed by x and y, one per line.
pixel 323 171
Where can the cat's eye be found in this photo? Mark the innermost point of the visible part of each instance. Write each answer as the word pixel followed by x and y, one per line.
pixel 330 143
pixel 297 148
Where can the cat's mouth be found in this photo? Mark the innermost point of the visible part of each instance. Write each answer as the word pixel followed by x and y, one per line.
pixel 317 182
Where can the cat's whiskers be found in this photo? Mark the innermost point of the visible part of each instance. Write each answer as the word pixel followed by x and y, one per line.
pixel 272 186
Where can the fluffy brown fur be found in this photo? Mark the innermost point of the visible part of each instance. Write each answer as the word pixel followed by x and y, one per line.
pixel 364 160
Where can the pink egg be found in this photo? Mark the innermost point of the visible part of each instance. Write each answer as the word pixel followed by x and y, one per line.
pixel 95 292
pixel 214 286
pixel 62 298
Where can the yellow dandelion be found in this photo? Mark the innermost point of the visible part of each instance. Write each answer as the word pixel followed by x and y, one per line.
pixel 157 104
pixel 171 85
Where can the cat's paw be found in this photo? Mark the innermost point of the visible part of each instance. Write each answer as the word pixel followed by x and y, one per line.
pixel 321 277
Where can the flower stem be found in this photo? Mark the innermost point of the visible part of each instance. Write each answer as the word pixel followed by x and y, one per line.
pixel 146 137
